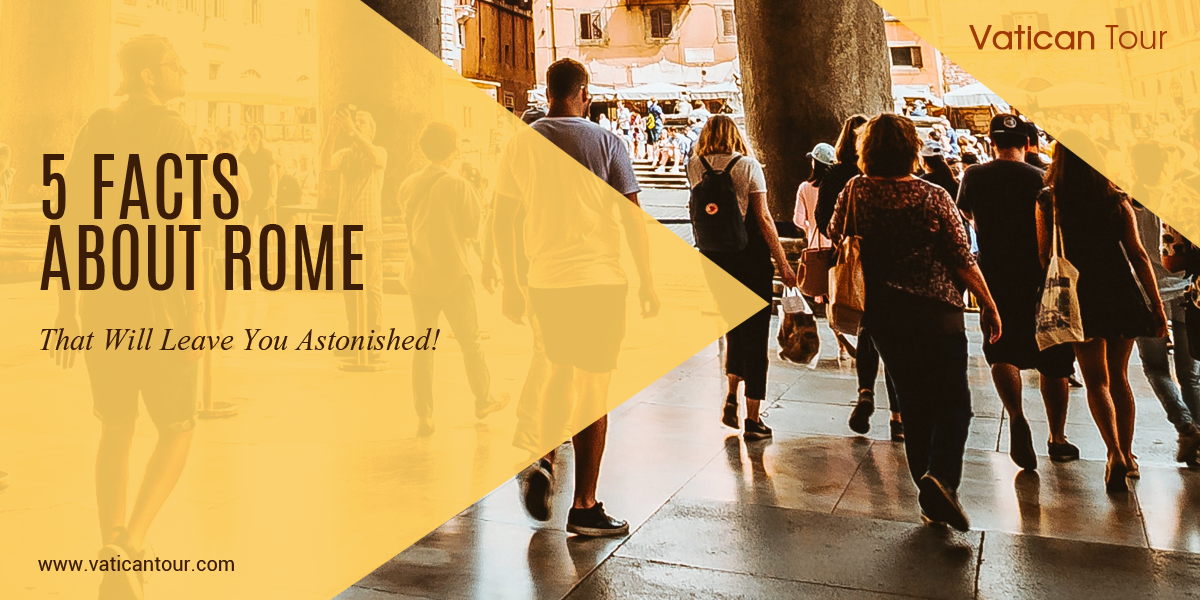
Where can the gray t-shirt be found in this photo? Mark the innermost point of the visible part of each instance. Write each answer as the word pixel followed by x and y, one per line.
pixel 571 229
pixel 592 146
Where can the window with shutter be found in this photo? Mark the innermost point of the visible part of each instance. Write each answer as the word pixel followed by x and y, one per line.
pixel 1195 15
pixel 591 28
pixel 728 23
pixel 1181 17
pixel 907 56
pixel 660 23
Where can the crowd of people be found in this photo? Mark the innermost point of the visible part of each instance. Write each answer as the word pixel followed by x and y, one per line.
pixel 936 240
pixel 939 231
pixel 648 137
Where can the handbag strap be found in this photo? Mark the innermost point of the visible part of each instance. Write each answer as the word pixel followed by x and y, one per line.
pixel 1056 248
pixel 851 213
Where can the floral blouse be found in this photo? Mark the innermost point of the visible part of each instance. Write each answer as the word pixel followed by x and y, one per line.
pixel 913 239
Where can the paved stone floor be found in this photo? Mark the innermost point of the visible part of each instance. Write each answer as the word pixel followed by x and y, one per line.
pixel 820 512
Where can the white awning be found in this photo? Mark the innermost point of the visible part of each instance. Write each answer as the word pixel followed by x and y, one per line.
pixel 659 91
pixel 975 94
pixel 715 91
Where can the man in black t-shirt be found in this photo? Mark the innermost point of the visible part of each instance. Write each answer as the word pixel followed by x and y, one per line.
pixel 165 382
pixel 1001 198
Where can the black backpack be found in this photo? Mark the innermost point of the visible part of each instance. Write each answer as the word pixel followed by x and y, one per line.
pixel 717 221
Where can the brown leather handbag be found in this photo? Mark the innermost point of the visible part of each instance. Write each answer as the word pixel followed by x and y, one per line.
pixel 814 269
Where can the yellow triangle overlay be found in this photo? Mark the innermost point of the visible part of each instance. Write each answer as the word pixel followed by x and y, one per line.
pixel 320 477
pixel 1136 84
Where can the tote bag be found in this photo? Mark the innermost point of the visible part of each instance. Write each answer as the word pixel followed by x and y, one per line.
pixel 1058 318
pixel 797 337
pixel 847 290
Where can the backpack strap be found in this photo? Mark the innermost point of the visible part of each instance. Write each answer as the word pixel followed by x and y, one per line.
pixel 732 161
pixel 708 170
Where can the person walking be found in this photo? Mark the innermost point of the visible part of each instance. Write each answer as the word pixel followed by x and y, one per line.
pixel 866 364
pixel 721 149
pixel 442 215
pixel 1099 237
pixel 823 158
pixel 570 234
pixel 935 170
pixel 263 172
pixel 915 253
pixel 1181 400
pixel 1001 198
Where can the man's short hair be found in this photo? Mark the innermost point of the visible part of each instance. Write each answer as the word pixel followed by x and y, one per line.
pixel 564 78
pixel 145 51
pixel 438 141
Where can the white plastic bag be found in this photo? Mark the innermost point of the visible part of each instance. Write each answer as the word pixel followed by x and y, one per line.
pixel 1058 318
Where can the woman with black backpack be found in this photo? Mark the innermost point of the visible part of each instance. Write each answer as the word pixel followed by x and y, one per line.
pixel 735 230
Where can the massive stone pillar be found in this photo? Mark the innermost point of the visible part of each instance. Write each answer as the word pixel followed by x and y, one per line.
pixel 54 59
pixel 420 19
pixel 806 66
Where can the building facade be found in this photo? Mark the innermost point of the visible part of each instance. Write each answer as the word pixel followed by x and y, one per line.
pixel 491 43
pixel 627 43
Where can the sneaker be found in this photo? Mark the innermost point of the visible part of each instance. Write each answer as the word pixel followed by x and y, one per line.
pixel 424 427
pixel 594 522
pixel 1064 452
pixel 123 585
pixel 897 429
pixel 729 416
pixel 940 505
pixel 756 430
pixel 537 485
pixel 860 417
pixel 494 404
pixel 1189 445
pixel 1020 445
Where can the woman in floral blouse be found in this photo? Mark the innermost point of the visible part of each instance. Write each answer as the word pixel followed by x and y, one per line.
pixel 915 255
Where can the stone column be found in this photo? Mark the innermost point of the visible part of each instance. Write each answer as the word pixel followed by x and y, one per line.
pixel 420 19
pixel 806 66
pixel 54 59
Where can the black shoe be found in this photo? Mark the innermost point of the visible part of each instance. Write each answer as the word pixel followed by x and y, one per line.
pixel 897 430
pixel 1064 452
pixel 1020 444
pixel 1189 446
pixel 729 417
pixel 756 430
pixel 537 485
pixel 860 417
pixel 594 522
pixel 1071 381
pixel 940 505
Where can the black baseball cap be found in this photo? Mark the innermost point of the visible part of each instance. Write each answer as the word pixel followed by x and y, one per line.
pixel 1032 132
pixel 1007 130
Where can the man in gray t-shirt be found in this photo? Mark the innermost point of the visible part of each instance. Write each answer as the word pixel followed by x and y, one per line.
pixel 576 285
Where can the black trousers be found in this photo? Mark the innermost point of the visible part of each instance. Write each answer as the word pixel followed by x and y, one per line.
pixel 929 374
pixel 746 344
